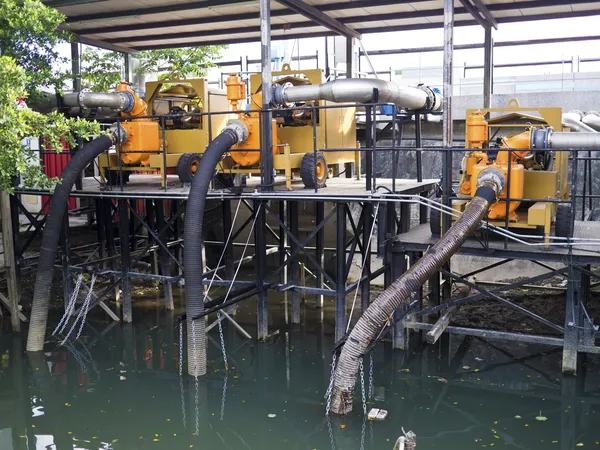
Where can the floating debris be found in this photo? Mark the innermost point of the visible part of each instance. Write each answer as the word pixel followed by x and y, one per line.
pixel 377 414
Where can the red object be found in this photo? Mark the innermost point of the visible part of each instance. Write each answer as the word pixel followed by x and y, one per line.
pixel 54 163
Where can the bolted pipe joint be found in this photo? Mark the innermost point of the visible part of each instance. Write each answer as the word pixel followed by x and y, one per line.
pixel 118 133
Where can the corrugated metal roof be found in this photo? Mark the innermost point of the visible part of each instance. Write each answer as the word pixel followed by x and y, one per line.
pixel 143 24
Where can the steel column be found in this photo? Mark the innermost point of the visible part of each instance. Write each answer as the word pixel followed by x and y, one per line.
pixel 369 145
pixel 349 57
pixel 228 250
pixel 572 321
pixel 365 293
pixel 266 141
pixel 125 259
pixel 488 67
pixel 65 242
pixel 447 111
pixel 163 255
pixel 319 246
pixel 340 282
pixel 10 260
pixel 75 65
pixel 294 264
pixel 260 258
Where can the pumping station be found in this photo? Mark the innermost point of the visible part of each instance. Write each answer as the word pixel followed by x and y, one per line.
pixel 248 202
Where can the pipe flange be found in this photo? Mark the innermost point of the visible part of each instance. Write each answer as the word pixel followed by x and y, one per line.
pixel 540 138
pixel 434 102
pixel 127 101
pixel 118 134
pixel 491 177
pixel 277 95
pixel 240 130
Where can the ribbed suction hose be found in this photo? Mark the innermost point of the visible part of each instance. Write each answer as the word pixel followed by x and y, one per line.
pixel 50 238
pixel 234 133
pixel 370 324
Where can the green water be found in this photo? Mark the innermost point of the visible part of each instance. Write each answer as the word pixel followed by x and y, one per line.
pixel 120 388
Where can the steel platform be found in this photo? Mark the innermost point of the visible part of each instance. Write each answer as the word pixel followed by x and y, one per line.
pixel 142 186
pixel 419 239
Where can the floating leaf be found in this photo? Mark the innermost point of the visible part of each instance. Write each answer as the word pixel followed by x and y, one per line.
pixel 541 418
pixel 272 416
pixel 518 417
pixel 579 444
pixel 342 426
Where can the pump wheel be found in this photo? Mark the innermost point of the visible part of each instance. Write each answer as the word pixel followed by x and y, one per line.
pixel 187 166
pixel 435 221
pixel 307 170
pixel 113 177
pixel 563 227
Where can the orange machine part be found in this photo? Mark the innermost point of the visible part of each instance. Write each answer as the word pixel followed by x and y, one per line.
pixel 477 130
pixel 236 90
pixel 142 135
pixel 251 157
pixel 517 174
pixel 140 107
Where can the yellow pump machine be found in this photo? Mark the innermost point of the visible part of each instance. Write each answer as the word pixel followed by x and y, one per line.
pixel 178 149
pixel 292 130
pixel 531 174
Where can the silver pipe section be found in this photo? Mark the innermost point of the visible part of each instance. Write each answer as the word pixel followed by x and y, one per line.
pixel 356 90
pixel 573 121
pixel 592 119
pixel 573 141
pixel 117 101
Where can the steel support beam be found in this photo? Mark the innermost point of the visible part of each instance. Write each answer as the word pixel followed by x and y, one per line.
pixel 488 67
pixel 320 244
pixel 368 219
pixel 262 320
pixel 319 17
pixel 10 260
pixel 573 321
pixel 75 65
pixel 125 259
pixel 474 12
pixel 266 137
pixel 163 261
pixel 340 282
pixel 349 57
pixel 293 215
pixel 483 9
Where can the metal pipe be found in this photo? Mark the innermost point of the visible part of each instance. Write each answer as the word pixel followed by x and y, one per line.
pixel 361 91
pixel 592 119
pixel 118 101
pixel 574 122
pixel 266 141
pixel 572 141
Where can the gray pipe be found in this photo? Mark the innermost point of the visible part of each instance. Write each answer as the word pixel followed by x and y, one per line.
pixel 354 90
pixel 572 141
pixel 118 101
pixel 573 121
pixel 592 119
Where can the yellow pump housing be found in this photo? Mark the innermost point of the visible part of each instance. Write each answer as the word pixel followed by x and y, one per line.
pixel 292 134
pixel 528 179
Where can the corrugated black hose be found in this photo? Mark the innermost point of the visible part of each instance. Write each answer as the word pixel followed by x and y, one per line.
pixel 399 293
pixel 50 238
pixel 193 239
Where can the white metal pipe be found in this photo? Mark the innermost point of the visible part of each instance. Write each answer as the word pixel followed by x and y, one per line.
pixel 361 91
pixel 118 101
pixel 572 141
pixel 592 119
pixel 573 121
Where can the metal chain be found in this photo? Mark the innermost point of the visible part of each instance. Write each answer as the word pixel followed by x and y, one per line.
pixel 70 307
pixel 219 317
pixel 370 377
pixel 224 396
pixel 195 378
pixel 330 387
pixel 181 374
pixel 362 386
pixel 87 302
pixel 82 312
pixel 362 433
pixel 331 439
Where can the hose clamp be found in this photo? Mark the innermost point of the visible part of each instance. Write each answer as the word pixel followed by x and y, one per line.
pixel 239 128
pixel 118 134
pixel 491 177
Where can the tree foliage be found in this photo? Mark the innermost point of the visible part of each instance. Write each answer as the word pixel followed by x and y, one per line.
pixel 29 33
pixel 101 70
pixel 18 122
pixel 178 63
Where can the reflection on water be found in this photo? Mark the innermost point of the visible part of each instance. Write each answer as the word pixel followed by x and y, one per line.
pixel 120 388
